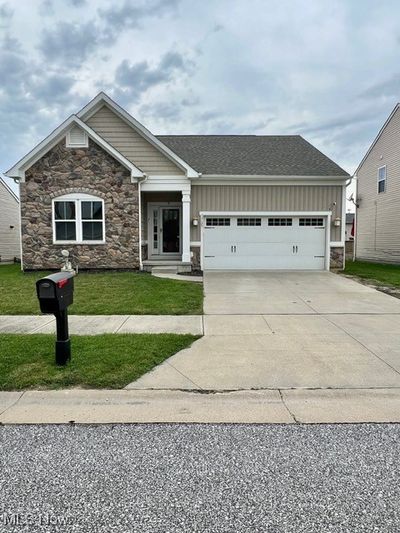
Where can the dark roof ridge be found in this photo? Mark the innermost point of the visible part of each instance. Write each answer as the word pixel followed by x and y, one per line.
pixel 224 135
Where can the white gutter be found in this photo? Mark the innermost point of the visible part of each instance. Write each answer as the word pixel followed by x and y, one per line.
pixel 265 177
pixel 20 223
pixel 140 219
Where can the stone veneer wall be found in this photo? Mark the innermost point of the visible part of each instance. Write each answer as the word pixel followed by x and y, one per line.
pixel 337 258
pixel 72 170
pixel 195 257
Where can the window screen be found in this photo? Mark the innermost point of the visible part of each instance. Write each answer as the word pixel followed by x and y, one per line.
pixel 381 179
pixel 79 220
pixel 65 221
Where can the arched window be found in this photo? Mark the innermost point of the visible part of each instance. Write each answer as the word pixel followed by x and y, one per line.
pixel 78 218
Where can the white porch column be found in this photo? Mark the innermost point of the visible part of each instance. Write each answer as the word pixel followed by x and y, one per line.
pixel 185 227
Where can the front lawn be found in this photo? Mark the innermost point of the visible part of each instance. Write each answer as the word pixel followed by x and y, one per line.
pixel 98 361
pixel 104 293
pixel 385 274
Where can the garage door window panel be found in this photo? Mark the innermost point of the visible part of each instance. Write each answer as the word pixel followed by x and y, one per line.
pixel 218 221
pixel 279 222
pixel 311 222
pixel 249 221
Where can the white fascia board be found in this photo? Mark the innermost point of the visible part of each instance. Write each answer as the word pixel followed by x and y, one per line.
pixel 102 98
pixel 148 186
pixel 18 170
pixel 397 106
pixel 258 177
pixel 269 182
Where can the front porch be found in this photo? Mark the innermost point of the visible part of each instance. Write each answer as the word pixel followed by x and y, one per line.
pixel 165 231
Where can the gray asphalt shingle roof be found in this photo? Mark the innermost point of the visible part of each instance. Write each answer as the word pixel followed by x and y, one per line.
pixel 277 155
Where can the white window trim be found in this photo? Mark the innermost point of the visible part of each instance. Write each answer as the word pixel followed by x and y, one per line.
pixel 77 198
pixel 70 144
pixel 382 179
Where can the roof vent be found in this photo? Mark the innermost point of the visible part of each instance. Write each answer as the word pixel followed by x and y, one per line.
pixel 77 138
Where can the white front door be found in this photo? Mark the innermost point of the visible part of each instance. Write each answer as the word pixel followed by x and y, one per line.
pixel 164 230
pixel 264 242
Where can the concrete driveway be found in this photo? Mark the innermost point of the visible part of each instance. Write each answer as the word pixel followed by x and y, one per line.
pixel 288 330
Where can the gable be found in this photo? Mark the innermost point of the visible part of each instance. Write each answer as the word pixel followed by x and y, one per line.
pixel 384 152
pixel 385 143
pixel 64 130
pixel 132 145
pixel 6 194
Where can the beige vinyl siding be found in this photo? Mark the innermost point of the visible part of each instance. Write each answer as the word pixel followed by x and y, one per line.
pixel 266 198
pixel 9 216
pixel 132 145
pixel 378 215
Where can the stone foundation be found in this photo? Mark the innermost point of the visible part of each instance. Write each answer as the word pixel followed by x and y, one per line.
pixel 84 170
pixel 145 252
pixel 195 250
pixel 337 258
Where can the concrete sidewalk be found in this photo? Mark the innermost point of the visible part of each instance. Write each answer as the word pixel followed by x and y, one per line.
pixel 97 324
pixel 262 406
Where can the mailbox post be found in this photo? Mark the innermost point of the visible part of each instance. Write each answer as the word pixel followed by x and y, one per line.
pixel 55 294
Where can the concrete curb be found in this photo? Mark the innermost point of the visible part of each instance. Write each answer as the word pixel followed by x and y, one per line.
pixel 159 406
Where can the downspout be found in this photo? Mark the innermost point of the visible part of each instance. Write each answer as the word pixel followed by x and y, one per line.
pixel 140 180
pixel 355 215
pixel 18 182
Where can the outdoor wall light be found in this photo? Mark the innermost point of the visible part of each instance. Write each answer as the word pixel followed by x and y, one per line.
pixel 337 222
pixel 195 222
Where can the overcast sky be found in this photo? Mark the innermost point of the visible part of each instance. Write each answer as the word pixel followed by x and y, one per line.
pixel 326 69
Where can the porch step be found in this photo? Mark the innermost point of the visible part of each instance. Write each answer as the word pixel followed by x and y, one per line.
pixel 164 269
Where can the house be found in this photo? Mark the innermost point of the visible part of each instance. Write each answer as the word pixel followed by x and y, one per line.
pixel 378 196
pixel 118 197
pixel 349 227
pixel 10 248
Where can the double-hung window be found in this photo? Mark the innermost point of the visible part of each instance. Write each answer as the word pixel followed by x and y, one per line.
pixel 382 179
pixel 78 218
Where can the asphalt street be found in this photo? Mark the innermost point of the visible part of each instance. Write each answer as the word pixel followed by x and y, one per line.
pixel 200 478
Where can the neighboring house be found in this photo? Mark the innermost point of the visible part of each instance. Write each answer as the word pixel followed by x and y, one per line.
pixel 10 248
pixel 117 196
pixel 378 196
pixel 349 245
pixel 349 227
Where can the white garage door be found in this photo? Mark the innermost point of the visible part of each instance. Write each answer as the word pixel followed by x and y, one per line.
pixel 273 242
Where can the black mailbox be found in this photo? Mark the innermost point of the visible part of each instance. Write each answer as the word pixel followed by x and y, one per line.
pixel 55 294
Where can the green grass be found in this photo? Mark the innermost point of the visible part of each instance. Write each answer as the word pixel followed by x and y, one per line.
pixel 107 293
pixel 385 274
pixel 98 361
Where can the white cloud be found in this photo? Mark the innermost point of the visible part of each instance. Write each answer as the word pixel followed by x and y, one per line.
pixel 326 70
